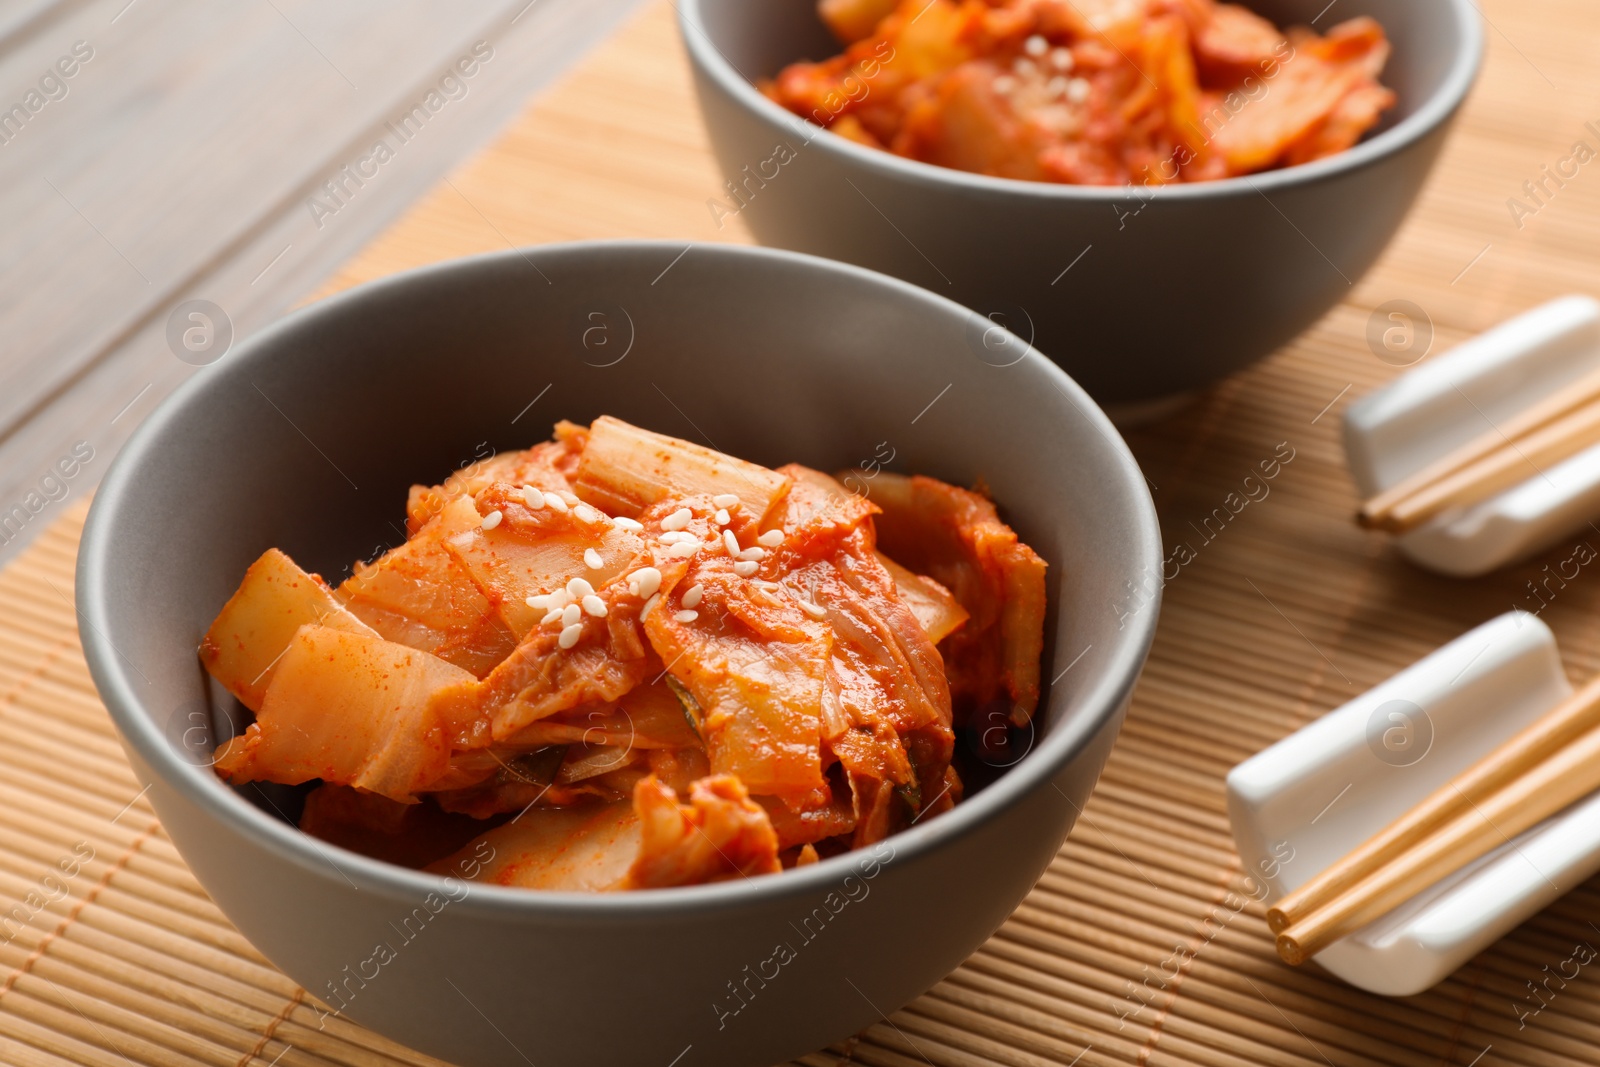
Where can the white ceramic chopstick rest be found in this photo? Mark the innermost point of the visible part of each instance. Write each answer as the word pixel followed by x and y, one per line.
pixel 1313 797
pixel 1456 397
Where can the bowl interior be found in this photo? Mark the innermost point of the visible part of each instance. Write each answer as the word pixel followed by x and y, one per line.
pixel 760 39
pixel 308 438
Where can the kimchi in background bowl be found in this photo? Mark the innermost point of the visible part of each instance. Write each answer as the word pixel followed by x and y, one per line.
pixel 307 438
pixel 1140 294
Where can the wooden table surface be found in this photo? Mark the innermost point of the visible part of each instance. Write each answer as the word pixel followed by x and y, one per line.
pixel 1136 947
pixel 188 155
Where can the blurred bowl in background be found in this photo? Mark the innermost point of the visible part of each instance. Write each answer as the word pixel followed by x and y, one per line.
pixel 1139 293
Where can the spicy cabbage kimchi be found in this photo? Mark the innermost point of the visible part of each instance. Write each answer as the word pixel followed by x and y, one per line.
pixel 1091 92
pixel 618 660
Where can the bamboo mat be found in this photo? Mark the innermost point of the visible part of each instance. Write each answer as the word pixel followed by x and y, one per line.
pixel 1129 950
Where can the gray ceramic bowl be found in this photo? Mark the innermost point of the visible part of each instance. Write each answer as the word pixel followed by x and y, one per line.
pixel 307 437
pixel 1139 294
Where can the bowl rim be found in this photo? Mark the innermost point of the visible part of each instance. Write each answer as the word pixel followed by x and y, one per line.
pixel 1434 112
pixel 199 785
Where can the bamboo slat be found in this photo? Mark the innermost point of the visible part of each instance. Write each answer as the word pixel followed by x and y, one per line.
pixel 1134 948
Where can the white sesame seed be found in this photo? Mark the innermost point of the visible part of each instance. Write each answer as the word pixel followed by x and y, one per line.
pixel 672 537
pixel 648 605
pixel 1005 84
pixel 1057 86
pixel 553 615
pixel 632 525
pixel 753 553
pixel 532 497
pixel 745 568
pixel 722 518
pixel 678 520
pixel 1036 46
pixel 1023 68
pixel 726 500
pixel 816 611
pixel 772 538
pixel 491 520
pixel 686 616
pixel 1078 90
pixel 594 606
pixel 592 560
pixel 648 579
pixel 684 549
pixel 570 500
pixel 578 588
pixel 731 543
pixel 542 600
pixel 691 599
pixel 571 614
pixel 587 514
pixel 1061 59
pixel 569 636
pixel 555 502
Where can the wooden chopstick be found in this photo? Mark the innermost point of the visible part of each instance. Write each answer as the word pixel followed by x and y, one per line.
pixel 1570 719
pixel 1514 462
pixel 1527 800
pixel 1378 513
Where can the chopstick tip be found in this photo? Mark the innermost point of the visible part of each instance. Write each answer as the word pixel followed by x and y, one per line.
pixel 1384 520
pixel 1289 949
